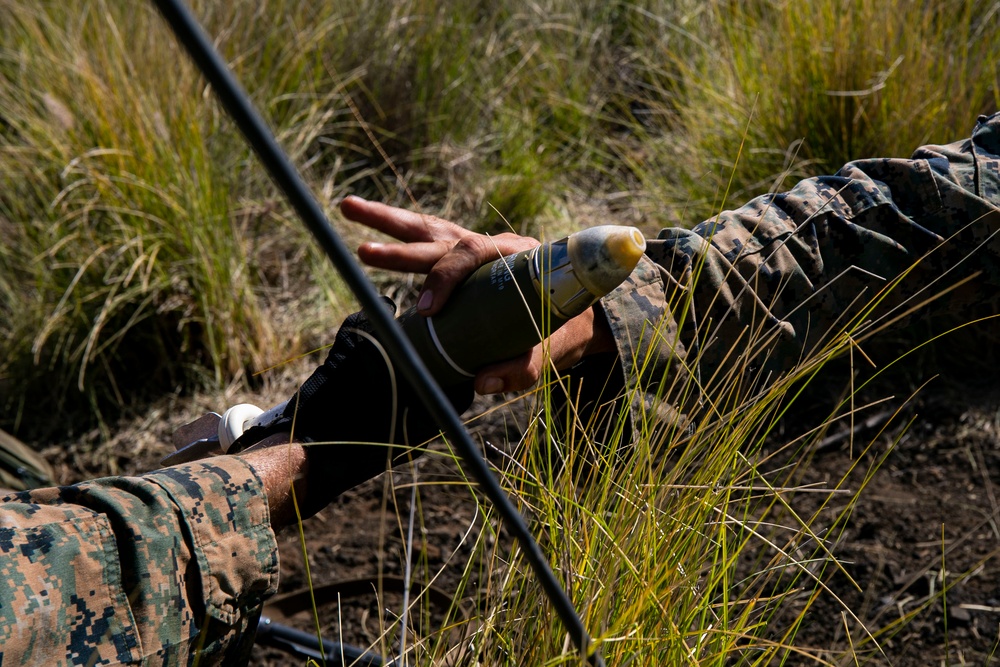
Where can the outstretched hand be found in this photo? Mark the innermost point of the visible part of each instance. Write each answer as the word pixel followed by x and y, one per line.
pixel 448 253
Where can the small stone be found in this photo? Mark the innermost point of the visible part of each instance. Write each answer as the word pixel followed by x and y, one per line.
pixel 958 614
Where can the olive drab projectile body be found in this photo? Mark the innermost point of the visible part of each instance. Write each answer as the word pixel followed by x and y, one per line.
pixel 508 306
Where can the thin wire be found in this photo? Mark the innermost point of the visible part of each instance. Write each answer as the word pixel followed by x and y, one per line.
pixel 236 102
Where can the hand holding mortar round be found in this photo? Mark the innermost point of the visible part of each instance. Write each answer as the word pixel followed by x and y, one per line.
pixel 500 312
pixel 508 306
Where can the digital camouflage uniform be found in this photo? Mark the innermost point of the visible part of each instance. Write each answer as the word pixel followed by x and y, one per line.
pixel 129 569
pixel 750 293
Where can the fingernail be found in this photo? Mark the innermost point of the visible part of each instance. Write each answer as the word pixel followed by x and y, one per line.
pixel 355 197
pixel 491 385
pixel 426 300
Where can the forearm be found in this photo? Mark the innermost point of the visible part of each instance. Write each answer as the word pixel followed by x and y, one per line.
pixel 283 468
pixel 744 296
pixel 841 253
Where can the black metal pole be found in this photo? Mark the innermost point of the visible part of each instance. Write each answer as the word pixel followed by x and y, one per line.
pixel 236 102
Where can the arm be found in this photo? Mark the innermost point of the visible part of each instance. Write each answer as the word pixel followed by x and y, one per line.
pixel 124 568
pixel 171 563
pixel 746 295
pixel 752 291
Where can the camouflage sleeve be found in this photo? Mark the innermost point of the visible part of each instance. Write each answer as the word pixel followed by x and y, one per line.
pixel 753 291
pixel 167 568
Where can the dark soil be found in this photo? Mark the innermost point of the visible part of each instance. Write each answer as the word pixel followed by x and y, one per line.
pixel 928 520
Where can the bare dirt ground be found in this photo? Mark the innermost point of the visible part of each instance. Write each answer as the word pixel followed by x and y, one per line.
pixel 927 520
pixel 930 518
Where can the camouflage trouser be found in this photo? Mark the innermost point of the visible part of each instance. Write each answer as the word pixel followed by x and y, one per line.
pixel 751 293
pixel 163 569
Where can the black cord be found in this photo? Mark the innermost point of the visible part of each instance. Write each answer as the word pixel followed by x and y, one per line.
pixel 305 645
pixel 236 102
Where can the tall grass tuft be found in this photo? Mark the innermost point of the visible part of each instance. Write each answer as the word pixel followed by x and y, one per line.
pixel 124 269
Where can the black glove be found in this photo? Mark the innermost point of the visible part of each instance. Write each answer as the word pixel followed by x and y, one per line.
pixel 352 413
